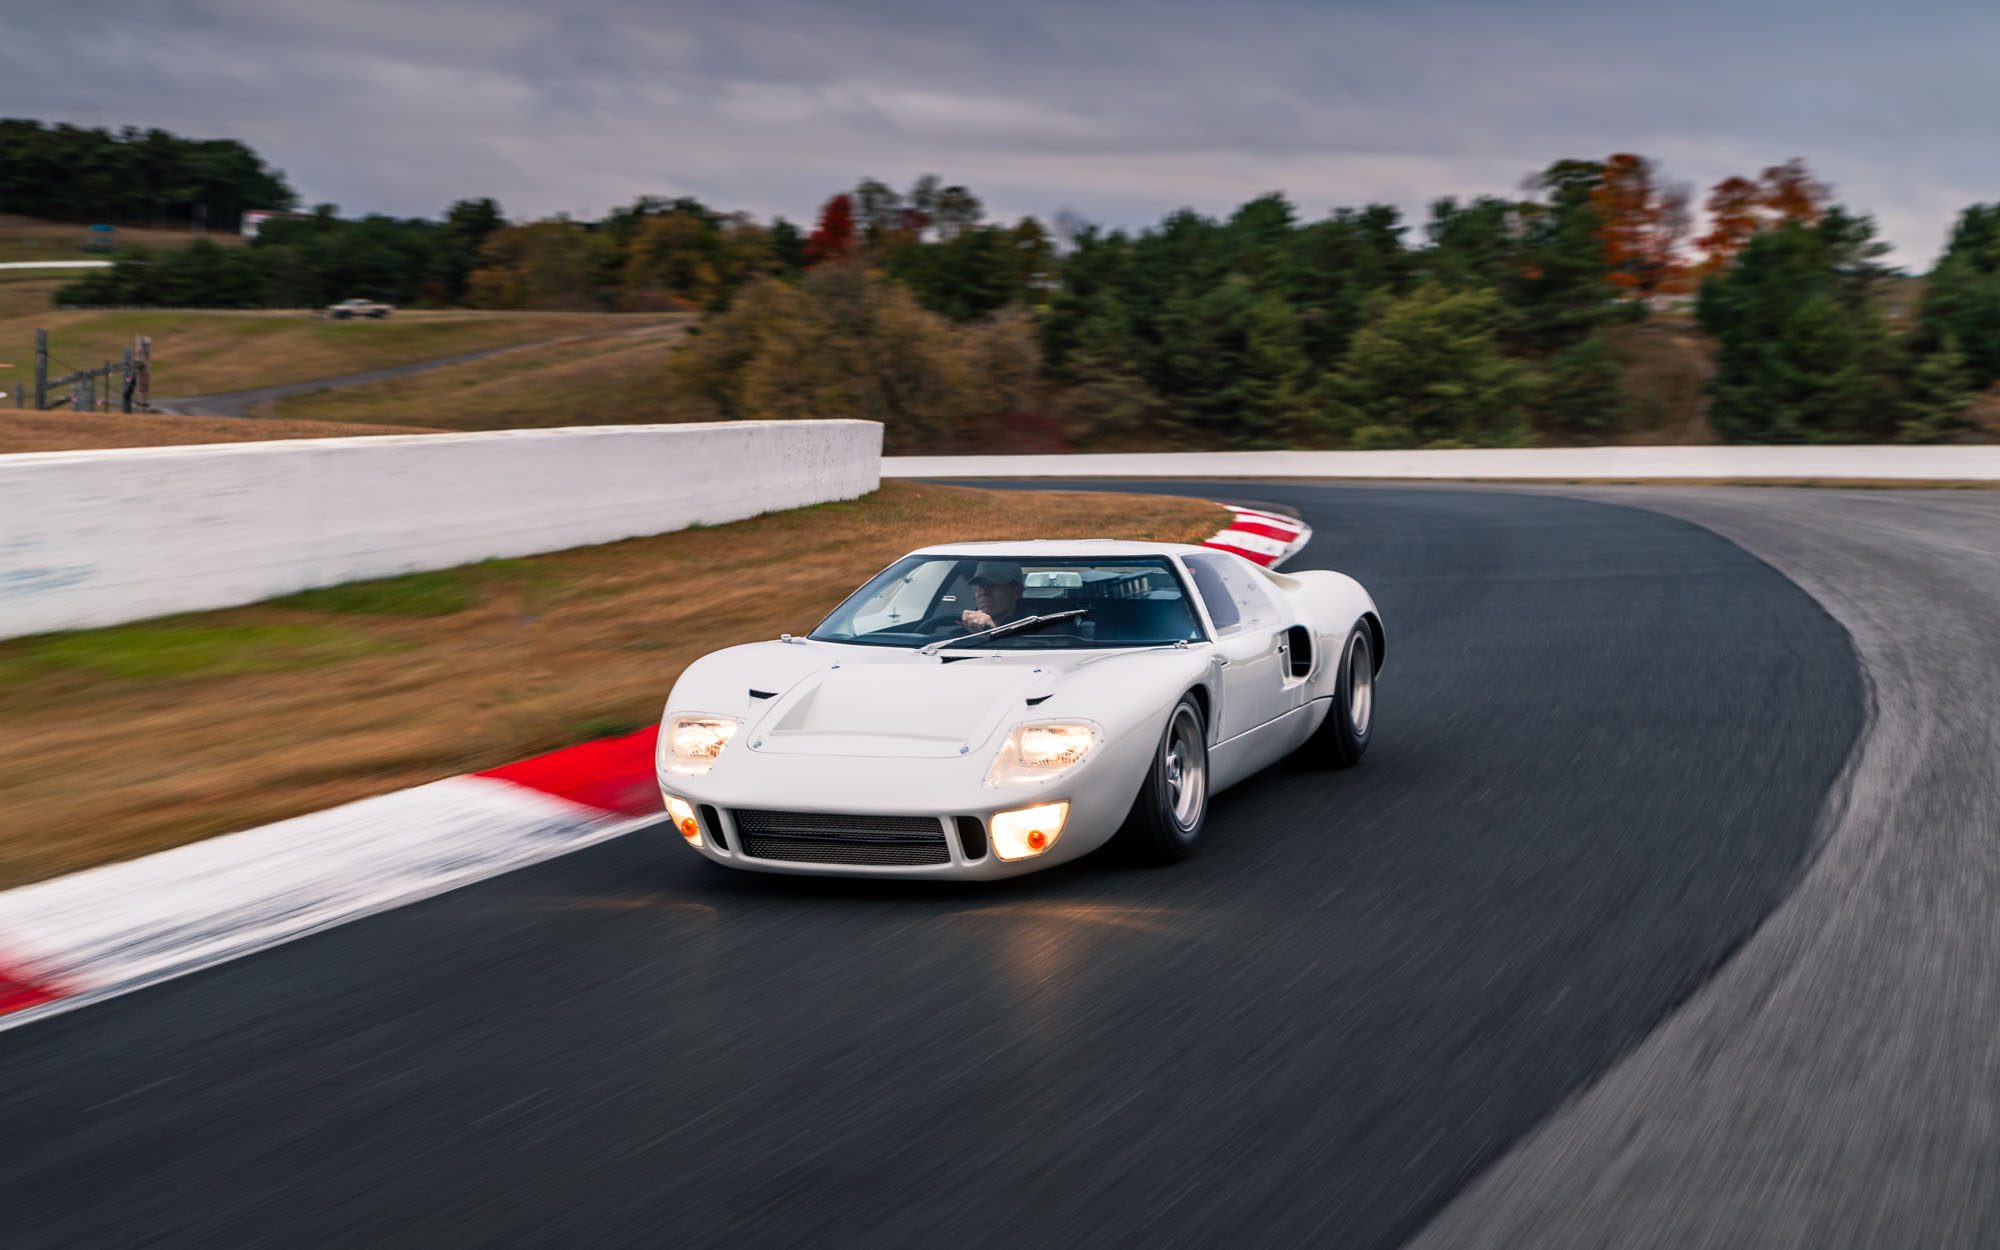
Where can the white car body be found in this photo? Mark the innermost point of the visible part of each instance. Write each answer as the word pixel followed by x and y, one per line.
pixel 349 308
pixel 833 729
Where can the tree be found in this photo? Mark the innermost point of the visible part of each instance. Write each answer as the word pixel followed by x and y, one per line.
pixel 1427 370
pixel 1792 194
pixel 1109 401
pixel 1640 223
pixel 833 237
pixel 877 211
pixel 1338 264
pixel 788 246
pixel 1734 215
pixel 552 264
pixel 1939 393
pixel 1563 293
pixel 922 201
pixel 851 342
pixel 1739 208
pixel 957 209
pixel 69 173
pixel 1962 297
pixel 671 256
pixel 1583 398
pixel 1803 353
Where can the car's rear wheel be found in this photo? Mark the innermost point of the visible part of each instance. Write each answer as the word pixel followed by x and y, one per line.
pixel 1166 819
pixel 1343 736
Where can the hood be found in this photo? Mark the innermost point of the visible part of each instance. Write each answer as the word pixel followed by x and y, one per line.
pixel 901 704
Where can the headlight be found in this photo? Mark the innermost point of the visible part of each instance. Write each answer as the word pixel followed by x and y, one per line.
pixel 1042 751
pixel 691 743
pixel 681 812
pixel 1029 831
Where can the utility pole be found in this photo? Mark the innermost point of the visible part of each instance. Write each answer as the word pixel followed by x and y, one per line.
pixel 41 370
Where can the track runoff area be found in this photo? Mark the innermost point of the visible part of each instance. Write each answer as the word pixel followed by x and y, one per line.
pixel 1509 982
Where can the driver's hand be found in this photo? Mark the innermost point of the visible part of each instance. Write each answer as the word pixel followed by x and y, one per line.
pixel 973 618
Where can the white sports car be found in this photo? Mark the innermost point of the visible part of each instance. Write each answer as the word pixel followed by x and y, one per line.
pixel 986 709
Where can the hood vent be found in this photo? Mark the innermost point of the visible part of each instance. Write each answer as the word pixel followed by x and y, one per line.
pixel 762 694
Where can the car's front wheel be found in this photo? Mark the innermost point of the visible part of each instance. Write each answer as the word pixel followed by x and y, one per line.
pixel 1166 819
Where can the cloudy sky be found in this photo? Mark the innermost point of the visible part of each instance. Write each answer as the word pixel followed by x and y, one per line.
pixel 1116 111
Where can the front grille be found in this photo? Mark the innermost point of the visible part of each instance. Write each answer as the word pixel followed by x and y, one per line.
pixel 825 838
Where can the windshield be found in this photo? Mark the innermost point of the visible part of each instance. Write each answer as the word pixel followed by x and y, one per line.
pixel 920 600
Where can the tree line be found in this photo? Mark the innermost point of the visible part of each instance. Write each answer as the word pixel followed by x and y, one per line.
pixel 132 176
pixel 1493 324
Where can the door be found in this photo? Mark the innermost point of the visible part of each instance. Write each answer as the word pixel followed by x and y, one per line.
pixel 1256 682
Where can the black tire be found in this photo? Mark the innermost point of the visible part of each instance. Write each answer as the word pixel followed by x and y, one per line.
pixel 1166 819
pixel 1343 736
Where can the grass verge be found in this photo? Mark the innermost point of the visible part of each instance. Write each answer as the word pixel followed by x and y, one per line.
pixel 61 430
pixel 35 238
pixel 606 381
pixel 205 353
pixel 127 740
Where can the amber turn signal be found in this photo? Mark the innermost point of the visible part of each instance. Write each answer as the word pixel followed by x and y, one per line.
pixel 681 812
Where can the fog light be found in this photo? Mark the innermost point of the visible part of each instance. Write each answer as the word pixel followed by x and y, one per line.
pixel 682 814
pixel 1028 831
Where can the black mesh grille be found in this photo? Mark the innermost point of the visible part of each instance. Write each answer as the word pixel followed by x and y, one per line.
pixel 826 838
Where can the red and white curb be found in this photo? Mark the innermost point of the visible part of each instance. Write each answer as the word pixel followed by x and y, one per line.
pixel 1269 538
pixel 107 931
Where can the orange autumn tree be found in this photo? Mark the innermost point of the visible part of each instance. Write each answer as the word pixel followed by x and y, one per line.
pixel 1734 214
pixel 1738 208
pixel 1793 194
pixel 1642 225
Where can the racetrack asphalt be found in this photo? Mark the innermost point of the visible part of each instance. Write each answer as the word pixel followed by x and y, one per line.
pixel 1605 742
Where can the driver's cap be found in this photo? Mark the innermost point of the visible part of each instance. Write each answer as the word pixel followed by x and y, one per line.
pixel 997 573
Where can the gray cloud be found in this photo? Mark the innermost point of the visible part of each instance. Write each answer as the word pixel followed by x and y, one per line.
pixel 1119 111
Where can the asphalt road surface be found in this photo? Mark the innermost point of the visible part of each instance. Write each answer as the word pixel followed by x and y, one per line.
pixel 1606 739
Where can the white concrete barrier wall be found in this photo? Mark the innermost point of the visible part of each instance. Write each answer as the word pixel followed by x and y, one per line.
pixel 101 537
pixel 1895 463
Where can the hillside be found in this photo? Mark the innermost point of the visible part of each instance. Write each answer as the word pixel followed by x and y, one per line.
pixel 31 238
pixel 202 352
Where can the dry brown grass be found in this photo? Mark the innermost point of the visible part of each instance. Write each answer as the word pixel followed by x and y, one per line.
pixel 26 293
pixel 206 353
pixel 610 379
pixel 33 238
pixel 69 431
pixel 1664 362
pixel 228 719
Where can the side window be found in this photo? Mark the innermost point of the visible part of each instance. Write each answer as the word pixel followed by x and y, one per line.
pixel 1234 599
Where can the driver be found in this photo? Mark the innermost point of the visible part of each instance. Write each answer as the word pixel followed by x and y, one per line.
pixel 996 595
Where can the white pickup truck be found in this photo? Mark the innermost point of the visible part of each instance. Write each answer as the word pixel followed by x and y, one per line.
pixel 359 308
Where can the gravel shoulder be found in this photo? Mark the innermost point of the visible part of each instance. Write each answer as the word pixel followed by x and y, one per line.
pixel 1833 1084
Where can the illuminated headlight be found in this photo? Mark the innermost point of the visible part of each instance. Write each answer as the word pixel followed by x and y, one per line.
pixel 1042 751
pixel 1029 831
pixel 691 743
pixel 682 814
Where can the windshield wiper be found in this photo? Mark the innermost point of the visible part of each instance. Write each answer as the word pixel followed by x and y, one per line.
pixel 998 630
